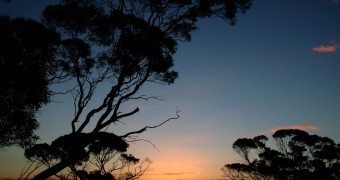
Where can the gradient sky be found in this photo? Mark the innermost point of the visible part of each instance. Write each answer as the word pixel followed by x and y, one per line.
pixel 279 67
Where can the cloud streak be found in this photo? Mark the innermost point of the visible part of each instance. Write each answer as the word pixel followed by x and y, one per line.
pixel 179 174
pixel 174 174
pixel 326 49
pixel 336 1
pixel 199 179
pixel 301 127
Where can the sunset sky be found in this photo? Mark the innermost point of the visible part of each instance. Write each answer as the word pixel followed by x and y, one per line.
pixel 279 67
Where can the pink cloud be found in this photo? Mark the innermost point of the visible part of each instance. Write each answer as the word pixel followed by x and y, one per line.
pixel 336 1
pixel 301 127
pixel 326 49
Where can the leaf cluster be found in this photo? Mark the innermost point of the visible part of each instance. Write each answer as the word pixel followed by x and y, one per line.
pixel 71 147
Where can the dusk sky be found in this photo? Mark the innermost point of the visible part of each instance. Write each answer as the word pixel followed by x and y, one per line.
pixel 279 67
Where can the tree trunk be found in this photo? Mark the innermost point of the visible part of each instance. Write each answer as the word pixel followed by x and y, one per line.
pixel 51 171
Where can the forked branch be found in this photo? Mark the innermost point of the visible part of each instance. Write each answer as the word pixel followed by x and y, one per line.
pixel 151 127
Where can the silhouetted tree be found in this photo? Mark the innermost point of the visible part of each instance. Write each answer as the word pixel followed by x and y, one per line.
pixel 122 44
pixel 298 156
pixel 124 166
pixel 26 63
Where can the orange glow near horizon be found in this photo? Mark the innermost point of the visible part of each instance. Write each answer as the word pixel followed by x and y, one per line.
pixel 179 165
pixel 181 159
pixel 172 167
pixel 169 176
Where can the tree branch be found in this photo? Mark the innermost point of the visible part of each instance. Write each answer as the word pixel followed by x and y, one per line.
pixel 151 127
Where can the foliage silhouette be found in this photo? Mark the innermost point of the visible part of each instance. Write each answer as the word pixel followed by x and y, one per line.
pixel 26 62
pixel 298 156
pixel 95 175
pixel 123 44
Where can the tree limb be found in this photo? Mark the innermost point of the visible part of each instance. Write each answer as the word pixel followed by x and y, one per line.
pixel 150 127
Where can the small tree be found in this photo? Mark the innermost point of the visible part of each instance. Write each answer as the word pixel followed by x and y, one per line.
pixel 298 156
pixel 123 44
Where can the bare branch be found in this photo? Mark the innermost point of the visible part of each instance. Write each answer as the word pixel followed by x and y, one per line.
pixel 115 118
pixel 28 171
pixel 136 139
pixel 151 127
pixel 146 98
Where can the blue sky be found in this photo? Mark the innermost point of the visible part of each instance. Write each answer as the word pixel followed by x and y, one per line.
pixel 278 67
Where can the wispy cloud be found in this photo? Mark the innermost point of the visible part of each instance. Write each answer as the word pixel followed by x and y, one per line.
pixel 336 1
pixel 326 49
pixel 173 174
pixel 179 173
pixel 301 127
pixel 198 179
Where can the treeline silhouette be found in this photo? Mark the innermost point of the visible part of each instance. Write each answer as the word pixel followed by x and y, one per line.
pixel 295 155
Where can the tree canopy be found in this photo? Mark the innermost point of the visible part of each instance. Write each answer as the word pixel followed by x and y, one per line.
pixel 26 62
pixel 298 155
